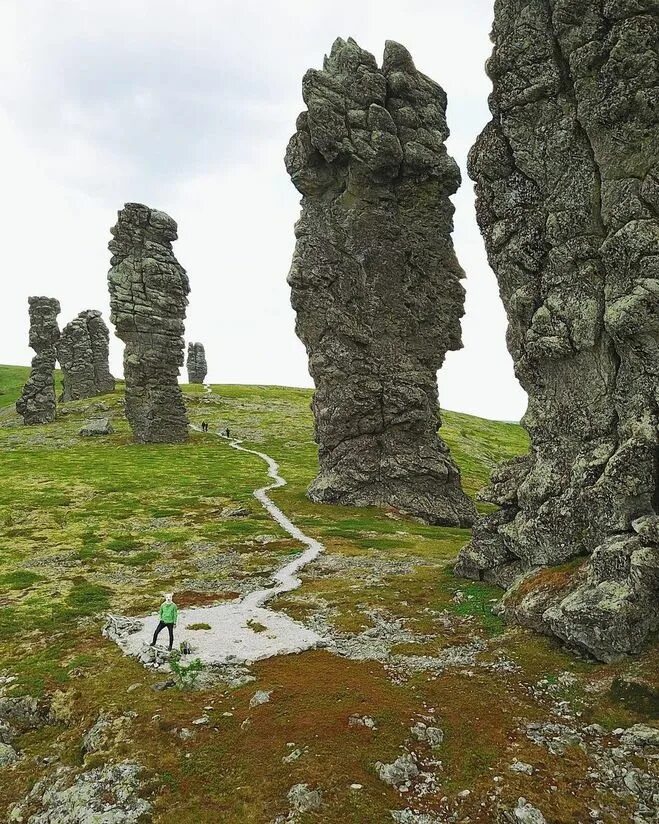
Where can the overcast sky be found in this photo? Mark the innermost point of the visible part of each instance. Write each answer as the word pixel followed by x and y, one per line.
pixel 187 106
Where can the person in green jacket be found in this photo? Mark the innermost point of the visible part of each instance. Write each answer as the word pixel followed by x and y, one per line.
pixel 168 617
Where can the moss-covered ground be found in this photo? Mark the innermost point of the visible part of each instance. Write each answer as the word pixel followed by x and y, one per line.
pixel 90 526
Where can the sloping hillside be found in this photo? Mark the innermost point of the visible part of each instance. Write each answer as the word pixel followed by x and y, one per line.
pixel 91 526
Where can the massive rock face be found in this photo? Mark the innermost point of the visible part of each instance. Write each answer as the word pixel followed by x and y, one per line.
pixel 37 403
pixel 375 281
pixel 148 297
pixel 567 178
pixel 196 363
pixel 83 351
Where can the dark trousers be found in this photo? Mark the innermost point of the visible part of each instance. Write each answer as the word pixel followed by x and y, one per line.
pixel 170 629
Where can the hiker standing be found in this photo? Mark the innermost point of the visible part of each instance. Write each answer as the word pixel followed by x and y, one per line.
pixel 168 616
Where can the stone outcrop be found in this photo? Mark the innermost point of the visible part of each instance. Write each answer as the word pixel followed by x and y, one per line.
pixel 99 335
pixel 375 281
pixel 196 363
pixel 148 298
pixel 83 352
pixel 567 182
pixel 37 403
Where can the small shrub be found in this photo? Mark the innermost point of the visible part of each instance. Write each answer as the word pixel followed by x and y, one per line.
pixel 186 674
pixel 256 626
pixel 21 579
pixel 198 626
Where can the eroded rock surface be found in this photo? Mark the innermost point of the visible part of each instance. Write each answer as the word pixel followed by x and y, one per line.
pixel 148 299
pixel 567 181
pixel 375 281
pixel 196 363
pixel 37 403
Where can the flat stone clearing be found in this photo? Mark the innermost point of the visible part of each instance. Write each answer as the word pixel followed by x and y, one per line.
pixel 229 639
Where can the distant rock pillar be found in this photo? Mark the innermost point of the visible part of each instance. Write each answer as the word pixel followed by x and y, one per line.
pixel 83 352
pixel 196 363
pixel 37 403
pixel 375 281
pixel 148 298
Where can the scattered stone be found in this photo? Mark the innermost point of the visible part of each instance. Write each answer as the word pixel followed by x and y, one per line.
pixel 375 281
pixel 118 627
pixel 106 732
pixel 521 767
pixel 97 426
pixel 304 800
pixel 640 735
pixel 196 363
pixel 148 298
pixel 400 772
pixel 109 794
pixel 201 721
pixel 164 685
pixel 524 813
pixel 294 755
pixel 569 216
pixel 37 403
pixel 362 721
pixel 185 734
pixel 8 755
pixel 260 697
pixel 430 735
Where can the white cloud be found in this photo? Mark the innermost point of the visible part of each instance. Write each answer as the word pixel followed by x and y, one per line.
pixel 188 106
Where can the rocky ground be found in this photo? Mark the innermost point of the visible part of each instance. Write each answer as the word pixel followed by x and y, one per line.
pixel 421 706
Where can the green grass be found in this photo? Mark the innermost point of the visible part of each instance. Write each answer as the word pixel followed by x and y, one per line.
pixel 104 525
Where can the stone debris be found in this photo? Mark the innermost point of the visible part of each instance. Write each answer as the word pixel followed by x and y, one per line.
pixel 106 732
pixel 524 813
pixel 429 735
pixel 37 403
pixel 97 426
pixel 148 299
pixel 303 799
pixel 8 755
pixel 362 721
pixel 260 697
pixel 566 183
pixel 375 282
pixel 400 773
pixel 521 767
pixel 196 363
pixel 108 794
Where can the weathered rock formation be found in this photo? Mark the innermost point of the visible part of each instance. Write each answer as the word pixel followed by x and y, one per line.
pixel 375 281
pixel 567 179
pixel 148 297
pixel 37 403
pixel 196 363
pixel 83 352
pixel 99 334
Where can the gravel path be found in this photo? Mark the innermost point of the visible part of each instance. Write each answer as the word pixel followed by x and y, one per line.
pixel 243 630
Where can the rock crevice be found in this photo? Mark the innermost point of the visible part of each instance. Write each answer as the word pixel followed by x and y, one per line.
pixel 375 282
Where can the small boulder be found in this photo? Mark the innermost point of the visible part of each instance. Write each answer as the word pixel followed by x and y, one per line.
pixel 304 800
pixel 8 755
pixel 640 735
pixel 399 772
pixel 260 697
pixel 97 426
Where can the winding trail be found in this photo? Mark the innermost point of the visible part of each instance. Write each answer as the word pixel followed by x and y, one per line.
pixel 243 630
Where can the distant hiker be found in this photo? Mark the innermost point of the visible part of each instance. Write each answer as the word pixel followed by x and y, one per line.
pixel 204 426
pixel 227 431
pixel 168 617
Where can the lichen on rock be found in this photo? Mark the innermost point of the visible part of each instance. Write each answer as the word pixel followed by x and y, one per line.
pixel 375 281
pixel 567 187
pixel 148 299
pixel 37 403
pixel 196 363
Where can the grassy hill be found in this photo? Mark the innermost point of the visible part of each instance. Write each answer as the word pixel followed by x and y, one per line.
pixel 89 526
